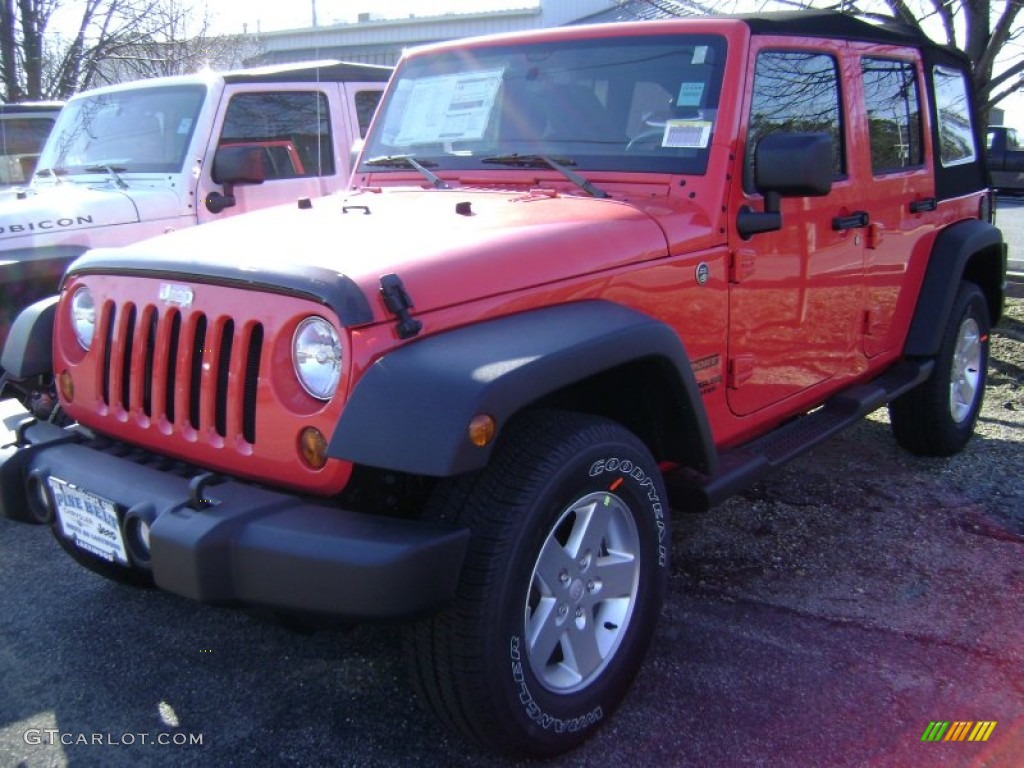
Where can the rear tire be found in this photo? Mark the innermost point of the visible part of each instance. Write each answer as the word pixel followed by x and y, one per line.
pixel 560 592
pixel 937 417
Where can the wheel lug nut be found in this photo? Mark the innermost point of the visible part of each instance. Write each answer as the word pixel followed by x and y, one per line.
pixel 564 577
pixel 579 613
pixel 563 609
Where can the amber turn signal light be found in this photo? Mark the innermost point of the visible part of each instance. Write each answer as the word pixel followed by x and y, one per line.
pixel 482 429
pixel 313 447
pixel 67 386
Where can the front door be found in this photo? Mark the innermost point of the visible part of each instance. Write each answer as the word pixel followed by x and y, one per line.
pixel 294 131
pixel 796 295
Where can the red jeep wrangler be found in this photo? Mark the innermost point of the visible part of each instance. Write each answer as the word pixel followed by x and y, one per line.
pixel 576 263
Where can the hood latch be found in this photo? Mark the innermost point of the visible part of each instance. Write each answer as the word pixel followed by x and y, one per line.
pixel 398 302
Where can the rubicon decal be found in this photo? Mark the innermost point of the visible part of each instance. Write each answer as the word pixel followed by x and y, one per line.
pixel 958 730
pixel 46 224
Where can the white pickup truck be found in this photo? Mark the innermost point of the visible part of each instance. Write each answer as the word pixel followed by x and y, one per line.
pixel 138 159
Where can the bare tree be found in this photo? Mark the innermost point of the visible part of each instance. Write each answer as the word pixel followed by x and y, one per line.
pixel 103 41
pixel 177 41
pixel 39 65
pixel 980 28
pixel 983 29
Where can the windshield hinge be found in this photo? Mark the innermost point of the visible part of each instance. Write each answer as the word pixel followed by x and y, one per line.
pixel 397 300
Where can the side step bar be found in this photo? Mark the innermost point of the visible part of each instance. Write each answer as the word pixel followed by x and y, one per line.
pixel 743 465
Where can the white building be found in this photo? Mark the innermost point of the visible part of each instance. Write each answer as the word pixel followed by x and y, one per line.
pixel 377 41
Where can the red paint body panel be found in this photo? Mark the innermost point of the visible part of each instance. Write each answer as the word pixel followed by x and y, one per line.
pixel 165 409
pixel 777 322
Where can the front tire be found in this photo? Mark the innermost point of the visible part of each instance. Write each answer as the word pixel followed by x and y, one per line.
pixel 937 417
pixel 561 588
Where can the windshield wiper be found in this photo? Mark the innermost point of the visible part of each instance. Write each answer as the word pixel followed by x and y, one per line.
pixel 410 162
pixel 113 170
pixel 55 172
pixel 532 161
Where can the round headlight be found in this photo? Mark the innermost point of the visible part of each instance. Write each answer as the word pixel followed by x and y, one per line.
pixel 316 355
pixel 83 316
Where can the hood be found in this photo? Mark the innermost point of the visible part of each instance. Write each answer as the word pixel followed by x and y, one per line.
pixel 68 207
pixel 447 246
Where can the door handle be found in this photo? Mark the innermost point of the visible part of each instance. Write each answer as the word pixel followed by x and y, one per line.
pixel 919 206
pixel 855 220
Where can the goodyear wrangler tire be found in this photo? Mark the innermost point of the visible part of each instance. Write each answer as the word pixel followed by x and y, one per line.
pixel 561 588
pixel 937 417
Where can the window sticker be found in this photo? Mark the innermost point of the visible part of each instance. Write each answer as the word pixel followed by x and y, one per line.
pixel 184 126
pixel 690 94
pixel 448 107
pixel 687 134
pixel 700 54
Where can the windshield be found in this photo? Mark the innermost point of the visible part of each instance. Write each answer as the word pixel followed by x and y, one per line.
pixel 145 130
pixel 617 104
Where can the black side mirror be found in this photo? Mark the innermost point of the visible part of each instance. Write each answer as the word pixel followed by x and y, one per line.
pixel 231 166
pixel 786 165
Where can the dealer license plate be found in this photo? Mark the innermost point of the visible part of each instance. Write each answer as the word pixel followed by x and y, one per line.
pixel 89 521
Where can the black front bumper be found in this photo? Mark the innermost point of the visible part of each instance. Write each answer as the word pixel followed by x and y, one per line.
pixel 241 543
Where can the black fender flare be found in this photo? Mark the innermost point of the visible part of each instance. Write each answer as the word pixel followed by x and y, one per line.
pixel 28 350
pixel 410 411
pixel 949 262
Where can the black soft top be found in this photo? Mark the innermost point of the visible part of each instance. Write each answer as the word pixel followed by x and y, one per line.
pixel 30 107
pixel 313 72
pixel 840 26
pixel 950 181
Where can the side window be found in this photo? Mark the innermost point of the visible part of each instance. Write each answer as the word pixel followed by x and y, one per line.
pixel 795 91
pixel 1013 140
pixel 894 114
pixel 24 135
pixel 956 134
pixel 21 140
pixel 366 105
pixel 292 128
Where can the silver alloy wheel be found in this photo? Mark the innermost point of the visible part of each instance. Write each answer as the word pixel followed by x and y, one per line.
pixel 965 372
pixel 582 592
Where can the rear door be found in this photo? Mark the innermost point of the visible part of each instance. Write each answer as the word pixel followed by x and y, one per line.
pixel 902 206
pixel 359 107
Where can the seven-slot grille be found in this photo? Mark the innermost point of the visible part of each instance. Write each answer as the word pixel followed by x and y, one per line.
pixel 158 367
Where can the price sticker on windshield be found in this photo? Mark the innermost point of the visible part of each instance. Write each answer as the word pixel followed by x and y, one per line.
pixel 687 134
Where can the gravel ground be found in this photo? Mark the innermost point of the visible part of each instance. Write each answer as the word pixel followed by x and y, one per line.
pixel 886 513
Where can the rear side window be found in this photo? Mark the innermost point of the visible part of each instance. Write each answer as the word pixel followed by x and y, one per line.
pixel 24 135
pixel 366 105
pixel 292 128
pixel 795 91
pixel 956 133
pixel 894 114
pixel 21 140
